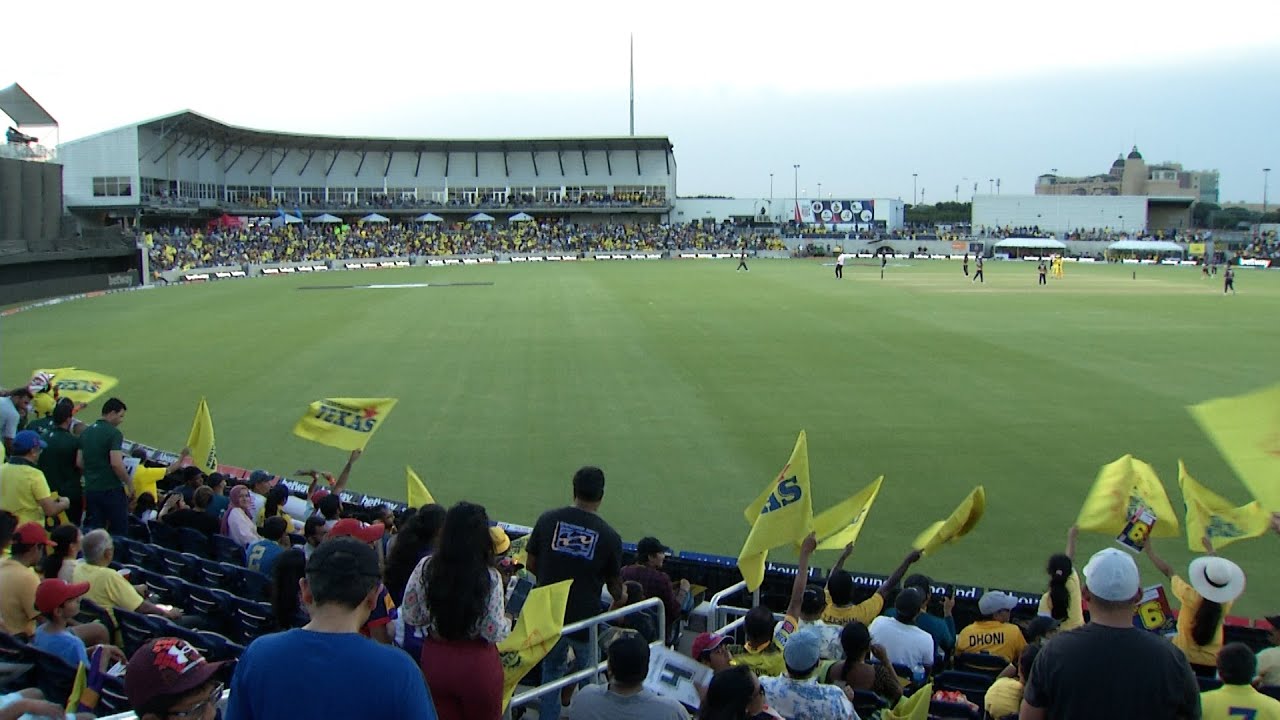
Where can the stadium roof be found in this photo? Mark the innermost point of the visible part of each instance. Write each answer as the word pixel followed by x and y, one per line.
pixel 192 123
pixel 19 105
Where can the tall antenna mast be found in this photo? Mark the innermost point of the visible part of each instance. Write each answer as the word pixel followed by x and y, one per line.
pixel 633 84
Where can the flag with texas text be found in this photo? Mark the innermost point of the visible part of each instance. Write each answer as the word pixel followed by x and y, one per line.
pixel 343 423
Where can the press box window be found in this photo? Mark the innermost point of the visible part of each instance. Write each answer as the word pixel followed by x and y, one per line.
pixel 112 187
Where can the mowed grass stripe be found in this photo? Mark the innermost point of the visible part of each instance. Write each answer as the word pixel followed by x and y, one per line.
pixel 687 382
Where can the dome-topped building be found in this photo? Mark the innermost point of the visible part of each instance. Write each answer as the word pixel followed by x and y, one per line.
pixel 1134 154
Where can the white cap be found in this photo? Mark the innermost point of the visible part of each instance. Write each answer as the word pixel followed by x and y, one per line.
pixel 993 601
pixel 1111 574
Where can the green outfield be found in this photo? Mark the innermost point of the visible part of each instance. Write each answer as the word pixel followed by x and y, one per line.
pixel 687 382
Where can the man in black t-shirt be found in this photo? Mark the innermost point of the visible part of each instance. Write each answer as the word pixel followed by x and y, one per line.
pixel 1109 668
pixel 575 543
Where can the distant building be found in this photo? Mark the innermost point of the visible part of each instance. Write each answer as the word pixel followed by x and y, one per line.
pixel 1132 176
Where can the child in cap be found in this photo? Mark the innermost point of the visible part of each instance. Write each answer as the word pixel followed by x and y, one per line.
pixel 59 602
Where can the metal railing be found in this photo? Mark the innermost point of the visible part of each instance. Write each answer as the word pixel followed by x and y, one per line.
pixel 594 665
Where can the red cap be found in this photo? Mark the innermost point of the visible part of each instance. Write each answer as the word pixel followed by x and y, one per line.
pixel 318 495
pixel 51 594
pixel 705 643
pixel 165 666
pixel 31 533
pixel 350 527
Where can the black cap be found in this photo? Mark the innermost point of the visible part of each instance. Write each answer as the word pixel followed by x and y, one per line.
pixel 1275 621
pixel 909 602
pixel 651 546
pixel 344 557
pixel 629 659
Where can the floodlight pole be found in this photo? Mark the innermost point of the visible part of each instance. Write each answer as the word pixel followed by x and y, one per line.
pixel 796 177
pixel 633 84
pixel 1266 172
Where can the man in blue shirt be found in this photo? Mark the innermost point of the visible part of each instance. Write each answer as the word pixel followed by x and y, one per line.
pixel 339 590
pixel 275 540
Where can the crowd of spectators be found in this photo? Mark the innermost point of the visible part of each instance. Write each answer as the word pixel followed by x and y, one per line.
pixel 408 201
pixel 411 609
pixel 179 248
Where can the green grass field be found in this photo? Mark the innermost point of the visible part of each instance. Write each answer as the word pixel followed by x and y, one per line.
pixel 687 382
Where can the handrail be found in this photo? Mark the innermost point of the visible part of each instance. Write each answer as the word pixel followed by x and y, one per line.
pixel 595 665
pixel 719 597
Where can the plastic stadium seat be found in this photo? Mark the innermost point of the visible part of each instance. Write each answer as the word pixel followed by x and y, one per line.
pixel 163 535
pixel 254 585
pixel 123 549
pixel 215 646
pixel 112 699
pixel 135 630
pixel 183 565
pixel 91 611
pixel 982 663
pixel 867 703
pixel 973 685
pixel 213 574
pixel 138 530
pixel 251 620
pixel 952 711
pixel 195 542
pixel 148 557
pixel 213 606
pixel 168 589
pixel 53 676
pixel 227 550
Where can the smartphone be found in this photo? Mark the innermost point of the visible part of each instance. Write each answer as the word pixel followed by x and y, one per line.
pixel 517 592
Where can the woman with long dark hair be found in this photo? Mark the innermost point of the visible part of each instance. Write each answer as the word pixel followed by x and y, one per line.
pixel 416 540
pixel 60 562
pixel 1062 601
pixel 286 603
pixel 733 694
pixel 856 672
pixel 457 596
pixel 1215 584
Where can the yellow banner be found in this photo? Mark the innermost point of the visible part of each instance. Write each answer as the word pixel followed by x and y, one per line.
pixel 840 524
pixel 1246 430
pixel 958 524
pixel 204 449
pixel 535 633
pixel 1211 515
pixel 1195 249
pixel 781 515
pixel 1121 487
pixel 417 492
pixel 343 423
pixel 915 707
pixel 82 386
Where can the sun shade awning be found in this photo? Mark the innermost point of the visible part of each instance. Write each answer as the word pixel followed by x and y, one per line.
pixel 22 108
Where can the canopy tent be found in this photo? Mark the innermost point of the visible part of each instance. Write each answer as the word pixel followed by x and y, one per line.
pixel 1031 243
pixel 225 221
pixel 480 217
pixel 429 217
pixel 1150 246
pixel 520 217
pixel 282 219
pixel 374 218
pixel 326 218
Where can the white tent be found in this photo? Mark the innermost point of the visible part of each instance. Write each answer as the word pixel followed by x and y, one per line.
pixel 480 217
pixel 429 217
pixel 326 218
pixel 280 220
pixel 1151 246
pixel 520 217
pixel 374 217
pixel 1031 242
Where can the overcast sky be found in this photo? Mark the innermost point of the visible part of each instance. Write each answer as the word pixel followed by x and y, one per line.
pixel 859 95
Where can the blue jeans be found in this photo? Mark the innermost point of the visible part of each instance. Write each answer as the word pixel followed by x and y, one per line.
pixel 554 667
pixel 107 509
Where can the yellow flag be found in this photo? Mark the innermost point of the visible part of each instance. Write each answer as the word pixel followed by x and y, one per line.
pixel 840 524
pixel 417 492
pixel 77 689
pixel 344 423
pixel 783 514
pixel 1246 430
pixel 915 707
pixel 963 519
pixel 1120 488
pixel 82 386
pixel 204 450
pixel 1212 515
pixel 535 633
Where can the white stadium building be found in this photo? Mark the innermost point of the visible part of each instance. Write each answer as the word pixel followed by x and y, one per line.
pixel 188 165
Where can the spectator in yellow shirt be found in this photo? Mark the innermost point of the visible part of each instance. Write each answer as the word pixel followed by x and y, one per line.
pixel 1004 697
pixel 841 610
pixel 1062 601
pixel 23 488
pixel 1215 584
pixel 993 634
pixel 766 638
pixel 1237 698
